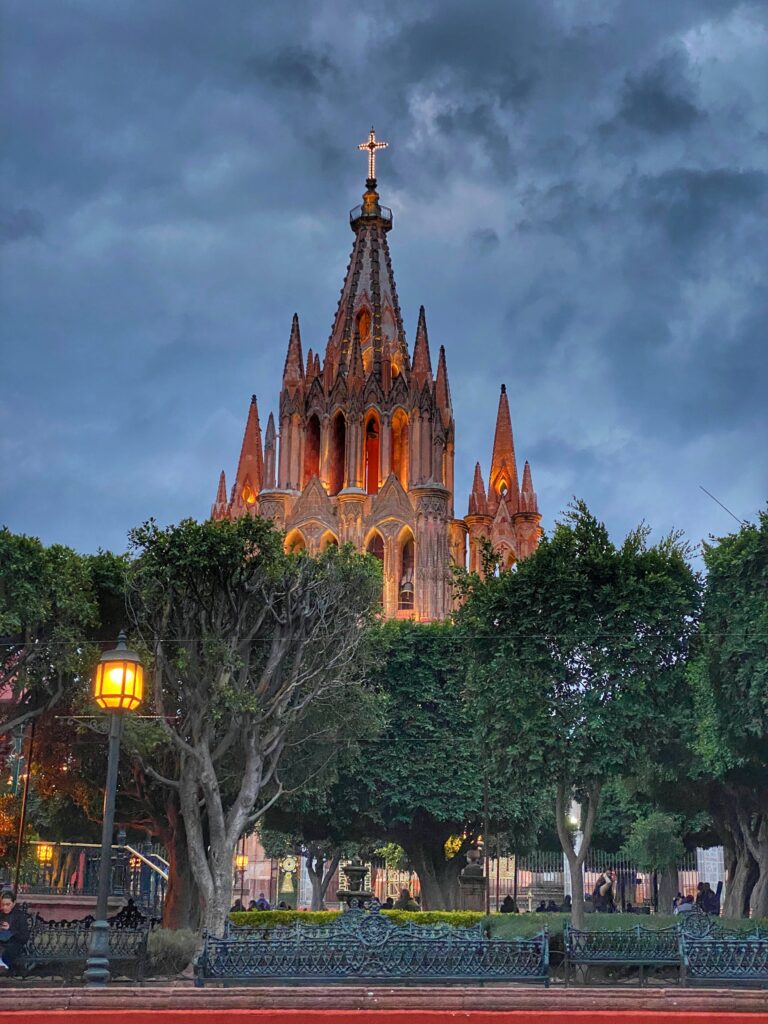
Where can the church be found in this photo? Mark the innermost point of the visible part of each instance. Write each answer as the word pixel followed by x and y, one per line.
pixel 363 448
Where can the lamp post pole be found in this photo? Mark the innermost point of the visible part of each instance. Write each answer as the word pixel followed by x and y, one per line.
pixel 97 966
pixel 117 688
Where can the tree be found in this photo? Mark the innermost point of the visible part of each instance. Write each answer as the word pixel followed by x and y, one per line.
pixel 420 782
pixel 729 676
pixel 655 844
pixel 244 641
pixel 578 656
pixel 55 605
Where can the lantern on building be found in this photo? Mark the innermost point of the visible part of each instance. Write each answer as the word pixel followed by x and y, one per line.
pixel 45 853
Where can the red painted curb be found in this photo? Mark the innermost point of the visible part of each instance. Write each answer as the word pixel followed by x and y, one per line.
pixel 78 1016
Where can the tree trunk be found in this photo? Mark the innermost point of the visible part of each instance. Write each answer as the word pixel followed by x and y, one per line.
pixel 216 909
pixel 754 830
pixel 668 882
pixel 742 872
pixel 320 873
pixel 438 877
pixel 576 860
pixel 757 841
pixel 182 897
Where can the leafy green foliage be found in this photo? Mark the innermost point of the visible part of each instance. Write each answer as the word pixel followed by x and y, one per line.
pixel 272 918
pixel 252 652
pixel 729 679
pixel 170 951
pixel 55 605
pixel 580 650
pixel 578 656
pixel 655 842
pixel 730 672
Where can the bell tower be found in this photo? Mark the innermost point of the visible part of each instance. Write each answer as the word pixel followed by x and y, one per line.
pixel 362 448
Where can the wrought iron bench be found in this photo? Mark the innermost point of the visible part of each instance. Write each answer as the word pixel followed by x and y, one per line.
pixel 61 947
pixel 717 958
pixel 364 945
pixel 644 948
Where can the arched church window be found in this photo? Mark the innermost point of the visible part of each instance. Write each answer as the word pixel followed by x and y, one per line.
pixel 338 453
pixel 312 449
pixel 364 325
pixel 375 547
pixel 248 494
pixel 405 592
pixel 294 543
pixel 372 456
pixel 399 447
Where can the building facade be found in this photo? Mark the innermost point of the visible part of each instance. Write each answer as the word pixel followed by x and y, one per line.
pixel 363 447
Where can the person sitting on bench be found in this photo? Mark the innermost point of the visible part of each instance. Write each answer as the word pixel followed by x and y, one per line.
pixel 14 931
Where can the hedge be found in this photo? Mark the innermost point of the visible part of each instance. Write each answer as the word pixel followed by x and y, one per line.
pixel 501 926
pixel 271 918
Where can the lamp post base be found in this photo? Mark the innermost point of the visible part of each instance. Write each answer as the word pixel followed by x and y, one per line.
pixel 97 965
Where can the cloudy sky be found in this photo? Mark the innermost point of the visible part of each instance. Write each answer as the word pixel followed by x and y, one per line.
pixel 580 190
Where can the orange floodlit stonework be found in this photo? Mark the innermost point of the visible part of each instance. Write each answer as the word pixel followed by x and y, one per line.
pixel 366 442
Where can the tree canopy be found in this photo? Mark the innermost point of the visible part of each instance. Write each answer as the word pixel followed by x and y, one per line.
pixel 729 676
pixel 244 641
pixel 578 656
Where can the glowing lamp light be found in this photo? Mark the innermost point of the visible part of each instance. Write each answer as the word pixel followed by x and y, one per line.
pixel 45 853
pixel 241 861
pixel 118 684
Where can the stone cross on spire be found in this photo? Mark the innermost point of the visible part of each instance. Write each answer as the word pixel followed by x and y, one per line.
pixel 372 145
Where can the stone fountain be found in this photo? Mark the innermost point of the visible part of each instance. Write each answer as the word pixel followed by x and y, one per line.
pixel 355 875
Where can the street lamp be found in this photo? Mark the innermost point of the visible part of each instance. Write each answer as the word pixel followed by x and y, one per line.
pixel 118 686
pixel 241 863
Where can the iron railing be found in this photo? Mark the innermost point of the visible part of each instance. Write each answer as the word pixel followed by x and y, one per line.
pixel 139 873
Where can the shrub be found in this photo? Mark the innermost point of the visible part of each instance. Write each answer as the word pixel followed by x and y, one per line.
pixel 171 951
pixel 271 918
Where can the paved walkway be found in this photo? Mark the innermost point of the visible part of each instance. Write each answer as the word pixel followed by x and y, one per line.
pixel 214 1016
pixel 183 1004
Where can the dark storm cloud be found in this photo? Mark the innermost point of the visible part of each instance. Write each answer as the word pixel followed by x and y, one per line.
pixel 658 101
pixel 580 197
pixel 293 68
pixel 18 224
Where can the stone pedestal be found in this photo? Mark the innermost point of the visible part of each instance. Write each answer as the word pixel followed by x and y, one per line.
pixel 473 884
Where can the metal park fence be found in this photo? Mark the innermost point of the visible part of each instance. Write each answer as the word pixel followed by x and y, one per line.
pixel 138 872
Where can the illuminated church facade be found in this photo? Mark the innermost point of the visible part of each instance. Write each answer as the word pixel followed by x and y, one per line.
pixel 362 450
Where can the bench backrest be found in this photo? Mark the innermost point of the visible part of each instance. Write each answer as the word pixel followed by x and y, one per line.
pixel 743 958
pixel 636 943
pixel 367 944
pixel 69 939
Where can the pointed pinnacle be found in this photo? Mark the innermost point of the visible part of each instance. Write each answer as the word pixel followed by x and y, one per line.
pixel 503 463
pixel 293 372
pixel 269 437
pixel 221 493
pixel 478 505
pixel 251 464
pixel 421 368
pixel 442 388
